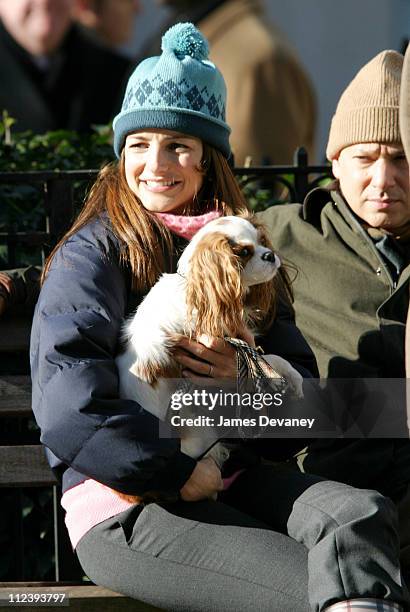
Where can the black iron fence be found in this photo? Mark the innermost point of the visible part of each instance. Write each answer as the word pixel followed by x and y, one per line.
pixel 263 185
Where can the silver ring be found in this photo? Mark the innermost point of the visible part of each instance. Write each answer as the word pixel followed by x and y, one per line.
pixel 211 368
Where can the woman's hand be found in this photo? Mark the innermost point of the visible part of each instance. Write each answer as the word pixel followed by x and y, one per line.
pixel 204 482
pixel 209 357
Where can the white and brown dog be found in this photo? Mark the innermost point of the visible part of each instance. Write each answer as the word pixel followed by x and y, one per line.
pixel 224 281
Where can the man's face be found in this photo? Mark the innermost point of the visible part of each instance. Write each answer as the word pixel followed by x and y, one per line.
pixel 374 179
pixel 37 25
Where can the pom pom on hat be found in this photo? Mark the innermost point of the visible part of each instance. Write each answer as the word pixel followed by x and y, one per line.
pixel 181 90
pixel 184 39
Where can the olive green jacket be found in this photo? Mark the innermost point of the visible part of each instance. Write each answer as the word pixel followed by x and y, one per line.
pixel 347 306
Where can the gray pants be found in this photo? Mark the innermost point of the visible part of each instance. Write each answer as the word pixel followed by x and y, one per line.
pixel 382 464
pixel 233 555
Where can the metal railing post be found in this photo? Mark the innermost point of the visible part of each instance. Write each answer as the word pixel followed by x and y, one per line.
pixel 59 206
pixel 300 160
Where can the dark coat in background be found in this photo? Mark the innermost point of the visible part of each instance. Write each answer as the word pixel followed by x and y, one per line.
pixel 83 84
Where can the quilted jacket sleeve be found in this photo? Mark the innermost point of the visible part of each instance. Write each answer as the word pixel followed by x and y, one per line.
pixel 75 334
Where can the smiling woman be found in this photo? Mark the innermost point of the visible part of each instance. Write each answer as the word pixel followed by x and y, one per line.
pixel 234 538
pixel 163 169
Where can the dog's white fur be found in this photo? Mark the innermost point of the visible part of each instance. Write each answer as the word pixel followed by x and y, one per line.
pixel 162 317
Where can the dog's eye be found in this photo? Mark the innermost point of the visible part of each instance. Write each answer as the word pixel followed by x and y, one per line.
pixel 244 252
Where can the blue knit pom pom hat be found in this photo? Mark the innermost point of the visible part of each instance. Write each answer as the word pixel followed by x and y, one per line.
pixel 181 90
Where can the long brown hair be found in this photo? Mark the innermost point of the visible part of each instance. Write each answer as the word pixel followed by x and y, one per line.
pixel 139 230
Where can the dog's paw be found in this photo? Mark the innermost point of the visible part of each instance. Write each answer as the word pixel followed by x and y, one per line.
pixel 148 372
pixel 151 372
pixel 288 372
pixel 219 453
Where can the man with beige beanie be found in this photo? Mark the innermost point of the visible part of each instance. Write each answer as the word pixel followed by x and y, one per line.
pixel 350 243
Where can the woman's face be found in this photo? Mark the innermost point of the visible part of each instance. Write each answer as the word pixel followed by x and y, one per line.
pixel 162 169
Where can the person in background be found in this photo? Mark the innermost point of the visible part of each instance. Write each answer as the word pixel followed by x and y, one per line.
pixel 108 21
pixel 351 244
pixel 52 76
pixel 271 105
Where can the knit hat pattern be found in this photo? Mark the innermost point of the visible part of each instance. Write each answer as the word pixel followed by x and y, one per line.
pixel 180 90
pixel 368 110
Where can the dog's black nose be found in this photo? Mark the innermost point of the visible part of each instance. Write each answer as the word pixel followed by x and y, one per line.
pixel 269 256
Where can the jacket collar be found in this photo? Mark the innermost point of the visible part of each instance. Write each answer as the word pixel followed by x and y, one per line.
pixel 319 197
pixel 315 201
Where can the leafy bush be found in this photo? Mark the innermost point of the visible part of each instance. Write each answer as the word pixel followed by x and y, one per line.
pixel 58 150
pixel 22 207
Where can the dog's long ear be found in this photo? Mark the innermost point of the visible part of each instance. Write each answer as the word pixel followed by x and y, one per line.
pixel 214 289
pixel 261 303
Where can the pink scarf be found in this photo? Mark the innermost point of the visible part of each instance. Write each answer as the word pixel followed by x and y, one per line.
pixel 186 226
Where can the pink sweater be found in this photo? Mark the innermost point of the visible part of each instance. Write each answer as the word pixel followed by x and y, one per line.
pixel 91 503
pixel 87 505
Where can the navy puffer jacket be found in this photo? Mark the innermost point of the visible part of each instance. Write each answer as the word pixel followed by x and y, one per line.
pixel 75 338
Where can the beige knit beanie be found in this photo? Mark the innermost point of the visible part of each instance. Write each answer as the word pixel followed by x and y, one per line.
pixel 368 110
pixel 405 104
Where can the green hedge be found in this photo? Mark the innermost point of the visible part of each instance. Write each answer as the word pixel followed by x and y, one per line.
pixel 59 150
pixel 21 205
